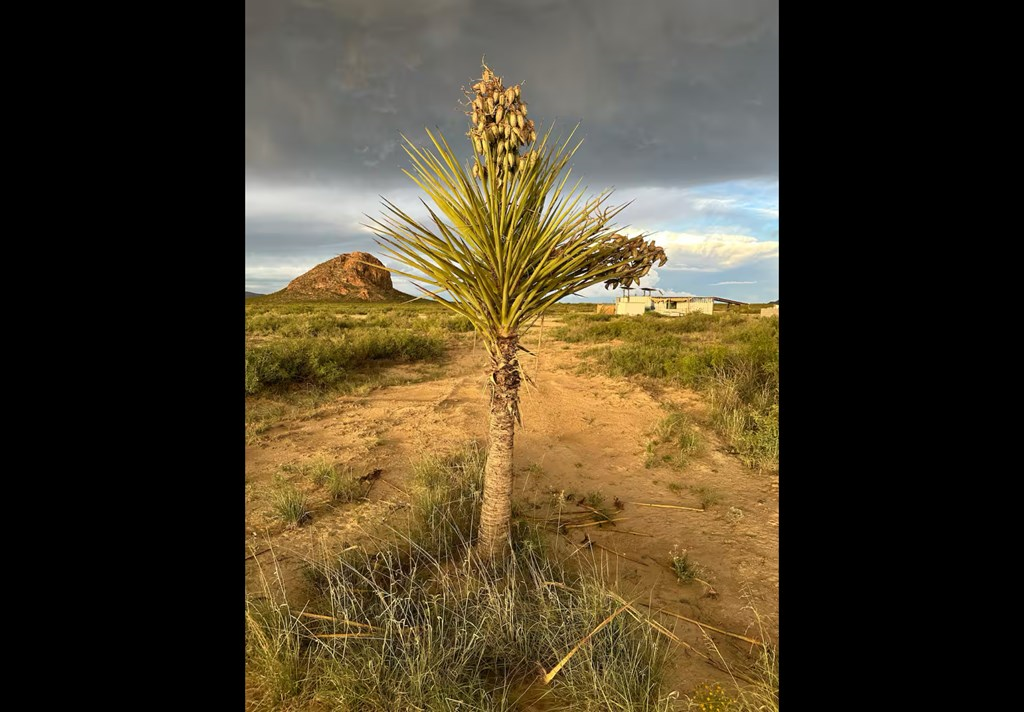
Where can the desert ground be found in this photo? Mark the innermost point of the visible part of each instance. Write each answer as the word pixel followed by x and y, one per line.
pixel 585 434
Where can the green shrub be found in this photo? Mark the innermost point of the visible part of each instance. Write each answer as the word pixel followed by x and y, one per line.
pixel 327 362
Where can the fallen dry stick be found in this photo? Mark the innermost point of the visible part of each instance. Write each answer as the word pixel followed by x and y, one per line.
pixel 658 627
pixel 673 637
pixel 393 485
pixel 253 556
pixel 598 512
pixel 554 671
pixel 668 506
pixel 346 635
pixel 587 541
pixel 554 519
pixel 711 589
pixel 605 548
pixel 593 524
pixel 709 627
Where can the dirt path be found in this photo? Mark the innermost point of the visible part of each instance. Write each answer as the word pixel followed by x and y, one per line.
pixel 581 434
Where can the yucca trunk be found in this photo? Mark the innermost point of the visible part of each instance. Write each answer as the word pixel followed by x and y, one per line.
pixel 496 513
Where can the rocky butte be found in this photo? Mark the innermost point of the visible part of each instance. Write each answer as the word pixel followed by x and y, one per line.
pixel 353 276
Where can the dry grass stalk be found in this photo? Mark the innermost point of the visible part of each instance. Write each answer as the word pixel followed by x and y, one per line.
pixel 668 506
pixel 336 620
pixel 558 585
pixel 709 627
pixel 663 630
pixel 395 486
pixel 592 524
pixel 610 551
pixel 253 556
pixel 548 677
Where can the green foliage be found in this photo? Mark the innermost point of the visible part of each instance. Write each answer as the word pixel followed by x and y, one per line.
pixel 598 328
pixel 509 239
pixel 327 362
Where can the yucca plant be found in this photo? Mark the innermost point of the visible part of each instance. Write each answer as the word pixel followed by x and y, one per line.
pixel 508 240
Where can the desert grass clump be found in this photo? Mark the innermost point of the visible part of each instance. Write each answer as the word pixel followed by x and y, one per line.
pixel 418 623
pixel 407 624
pixel 276 669
pixel 447 498
pixel 343 485
pixel 319 471
pixel 260 416
pixel 673 441
pixel 762 695
pixel 756 690
pixel 677 438
pixel 290 505
pixel 708 495
pixel 677 428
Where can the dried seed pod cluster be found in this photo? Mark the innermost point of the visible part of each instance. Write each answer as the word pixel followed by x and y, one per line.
pixel 498 126
pixel 637 254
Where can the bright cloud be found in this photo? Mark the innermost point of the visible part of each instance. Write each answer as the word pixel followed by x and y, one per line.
pixel 719 284
pixel 713 252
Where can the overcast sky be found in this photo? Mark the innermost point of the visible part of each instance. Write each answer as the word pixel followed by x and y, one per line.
pixel 678 99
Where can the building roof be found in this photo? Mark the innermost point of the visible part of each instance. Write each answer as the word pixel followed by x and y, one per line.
pixel 691 297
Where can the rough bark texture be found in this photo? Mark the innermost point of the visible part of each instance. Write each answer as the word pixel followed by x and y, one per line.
pixel 496 512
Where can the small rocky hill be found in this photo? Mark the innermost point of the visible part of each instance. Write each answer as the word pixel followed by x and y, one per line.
pixel 353 276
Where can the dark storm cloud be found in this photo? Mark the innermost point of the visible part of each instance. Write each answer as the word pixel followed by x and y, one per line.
pixel 670 93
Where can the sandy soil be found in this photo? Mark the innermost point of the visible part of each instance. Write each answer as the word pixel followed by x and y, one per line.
pixel 581 433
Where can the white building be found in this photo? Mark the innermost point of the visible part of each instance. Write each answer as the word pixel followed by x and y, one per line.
pixel 677 306
pixel 632 306
pixel 666 306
